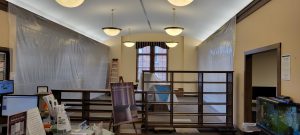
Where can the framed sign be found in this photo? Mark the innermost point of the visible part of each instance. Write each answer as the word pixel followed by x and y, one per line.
pixel 17 124
pixel 286 67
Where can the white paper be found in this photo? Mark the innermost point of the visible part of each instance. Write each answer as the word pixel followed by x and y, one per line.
pixel 286 67
pixel 34 122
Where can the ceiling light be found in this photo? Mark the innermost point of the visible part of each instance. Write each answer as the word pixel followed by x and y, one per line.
pixel 180 3
pixel 111 31
pixel 171 44
pixel 70 3
pixel 174 30
pixel 129 43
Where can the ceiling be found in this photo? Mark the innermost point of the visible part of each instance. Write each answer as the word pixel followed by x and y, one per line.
pixel 200 19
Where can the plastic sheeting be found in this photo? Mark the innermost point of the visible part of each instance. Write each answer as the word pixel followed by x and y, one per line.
pixel 216 54
pixel 48 54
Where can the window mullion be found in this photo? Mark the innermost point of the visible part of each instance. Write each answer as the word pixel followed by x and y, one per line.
pixel 152 58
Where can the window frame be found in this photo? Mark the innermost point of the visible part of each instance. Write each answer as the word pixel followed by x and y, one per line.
pixel 152 59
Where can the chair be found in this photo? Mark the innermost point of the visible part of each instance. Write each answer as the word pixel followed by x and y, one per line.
pixel 124 107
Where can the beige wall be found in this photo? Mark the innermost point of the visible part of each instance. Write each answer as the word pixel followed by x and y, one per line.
pixel 277 21
pixel 115 49
pixel 182 57
pixel 4 38
pixel 190 62
pixel 264 69
pixel 7 38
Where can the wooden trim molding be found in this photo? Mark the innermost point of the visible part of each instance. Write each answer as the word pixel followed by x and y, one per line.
pixel 248 77
pixel 264 49
pixel 3 5
pixel 251 8
pixel 248 89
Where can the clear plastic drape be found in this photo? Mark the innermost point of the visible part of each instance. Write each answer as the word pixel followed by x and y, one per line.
pixel 48 54
pixel 216 52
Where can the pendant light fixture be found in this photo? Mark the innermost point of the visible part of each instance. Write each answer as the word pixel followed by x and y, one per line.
pixel 128 43
pixel 171 44
pixel 180 3
pixel 70 3
pixel 111 31
pixel 174 30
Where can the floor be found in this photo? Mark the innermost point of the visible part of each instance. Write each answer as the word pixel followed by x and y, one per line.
pixel 127 129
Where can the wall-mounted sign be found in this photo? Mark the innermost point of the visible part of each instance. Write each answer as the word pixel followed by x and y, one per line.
pixel 286 67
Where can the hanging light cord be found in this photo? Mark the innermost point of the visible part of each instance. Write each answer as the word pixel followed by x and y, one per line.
pixel 112 17
pixel 129 31
pixel 174 15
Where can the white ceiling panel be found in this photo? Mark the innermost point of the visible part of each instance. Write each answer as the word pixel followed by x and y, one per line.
pixel 199 19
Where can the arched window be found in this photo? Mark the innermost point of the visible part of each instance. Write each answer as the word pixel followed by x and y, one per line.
pixel 152 56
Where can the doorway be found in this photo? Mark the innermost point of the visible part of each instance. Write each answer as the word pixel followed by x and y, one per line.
pixel 262 77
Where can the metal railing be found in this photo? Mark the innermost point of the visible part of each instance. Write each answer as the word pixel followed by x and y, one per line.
pixel 201 80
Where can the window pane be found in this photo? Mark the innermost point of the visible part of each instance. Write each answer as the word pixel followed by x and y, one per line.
pixel 144 50
pixel 161 76
pixel 160 50
pixel 161 64
pixel 160 61
pixel 143 63
pixel 140 71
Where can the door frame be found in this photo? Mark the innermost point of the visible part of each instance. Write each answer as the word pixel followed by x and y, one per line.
pixel 248 77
